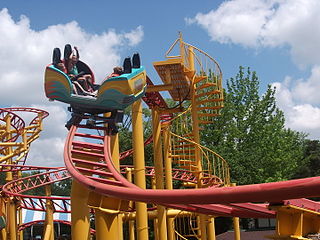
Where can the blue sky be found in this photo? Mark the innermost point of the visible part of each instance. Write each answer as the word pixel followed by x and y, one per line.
pixel 277 38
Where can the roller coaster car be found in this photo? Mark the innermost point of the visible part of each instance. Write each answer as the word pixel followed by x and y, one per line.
pixel 113 95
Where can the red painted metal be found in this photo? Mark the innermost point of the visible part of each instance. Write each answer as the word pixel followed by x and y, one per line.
pixel 17 188
pixel 42 114
pixel 302 203
pixel 240 194
pixel 101 176
pixel 16 122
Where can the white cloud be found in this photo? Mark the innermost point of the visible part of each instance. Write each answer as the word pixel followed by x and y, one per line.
pixel 308 91
pixel 238 21
pixel 25 52
pixel 135 36
pixel 298 98
pixel 267 23
pixel 46 152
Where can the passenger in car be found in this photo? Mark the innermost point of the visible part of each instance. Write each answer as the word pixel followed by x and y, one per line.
pixel 82 82
pixel 117 71
pixel 56 60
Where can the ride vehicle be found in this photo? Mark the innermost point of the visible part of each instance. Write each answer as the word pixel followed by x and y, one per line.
pixel 113 95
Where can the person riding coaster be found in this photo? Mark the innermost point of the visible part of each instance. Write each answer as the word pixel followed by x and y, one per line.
pixel 113 95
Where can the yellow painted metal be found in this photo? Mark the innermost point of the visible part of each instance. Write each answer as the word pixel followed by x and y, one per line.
pixel 168 176
pixel 207 93
pixel 20 233
pixel 294 222
pixel 211 229
pixel 236 223
pixel 9 149
pixel 116 160
pixel 196 139
pixel 48 233
pixel 115 151
pixel 172 110
pixel 80 221
pixel 171 213
pixel 159 88
pixel 107 226
pixel 182 54
pixel 236 228
pixel 3 234
pixel 158 163
pixel 107 217
pixel 173 71
pixel 15 151
pixel 12 211
pixel 203 226
pixel 4 212
pixel 139 167
pixel 131 221
pixel 13 144
pixel 155 220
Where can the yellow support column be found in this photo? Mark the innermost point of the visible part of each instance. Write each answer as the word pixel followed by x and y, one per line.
pixel 211 229
pixel 20 233
pixel 106 225
pixel 116 161
pixel 3 232
pixel 236 224
pixel 12 220
pixel 109 224
pixel 168 176
pixel 158 163
pixel 80 221
pixel 155 219
pixel 236 228
pixel 196 135
pixel 139 167
pixel 48 233
pixel 131 222
pixel 12 209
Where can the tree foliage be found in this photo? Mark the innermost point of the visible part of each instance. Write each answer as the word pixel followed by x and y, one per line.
pixel 250 133
pixel 310 164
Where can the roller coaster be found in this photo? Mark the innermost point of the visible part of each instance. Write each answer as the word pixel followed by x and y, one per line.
pixel 178 197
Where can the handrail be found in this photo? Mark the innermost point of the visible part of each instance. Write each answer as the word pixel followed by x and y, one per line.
pixel 195 48
pixel 225 167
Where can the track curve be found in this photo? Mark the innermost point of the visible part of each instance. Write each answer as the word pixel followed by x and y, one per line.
pixel 101 176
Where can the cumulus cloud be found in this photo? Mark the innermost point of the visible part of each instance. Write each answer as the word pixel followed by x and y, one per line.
pixel 296 98
pixel 46 152
pixel 24 53
pixel 238 21
pixel 308 90
pixel 266 23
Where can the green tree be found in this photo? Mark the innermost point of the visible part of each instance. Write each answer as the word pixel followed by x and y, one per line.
pixel 310 164
pixel 250 133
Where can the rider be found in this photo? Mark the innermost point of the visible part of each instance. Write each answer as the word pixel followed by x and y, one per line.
pixel 83 83
pixel 117 71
